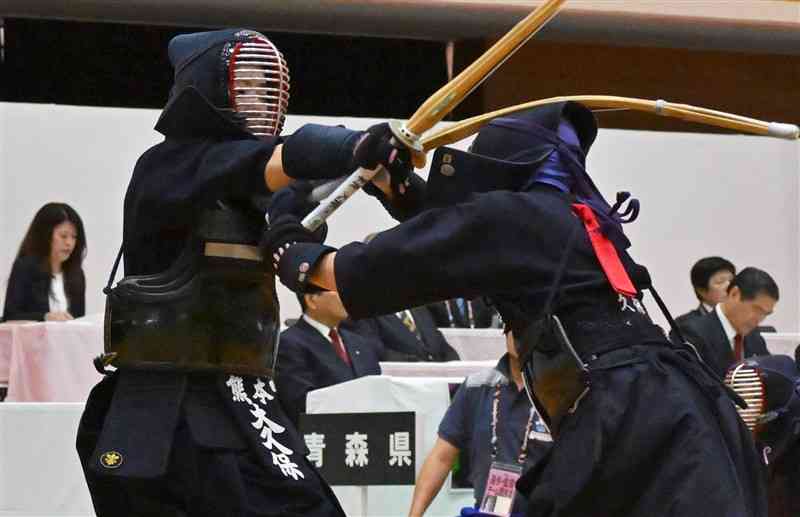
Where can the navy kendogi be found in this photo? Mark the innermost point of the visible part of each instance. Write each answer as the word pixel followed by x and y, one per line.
pixel 189 424
pixel 641 426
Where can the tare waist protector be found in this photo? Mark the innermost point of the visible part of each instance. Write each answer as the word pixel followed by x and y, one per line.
pixel 215 309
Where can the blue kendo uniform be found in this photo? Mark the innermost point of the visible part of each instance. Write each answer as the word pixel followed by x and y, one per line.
pixel 189 423
pixel 655 434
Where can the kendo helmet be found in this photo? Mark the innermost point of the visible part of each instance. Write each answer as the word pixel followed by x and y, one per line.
pixel 520 136
pixel 771 387
pixel 240 72
pixel 511 151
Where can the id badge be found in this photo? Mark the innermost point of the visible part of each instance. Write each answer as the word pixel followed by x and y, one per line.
pixel 498 499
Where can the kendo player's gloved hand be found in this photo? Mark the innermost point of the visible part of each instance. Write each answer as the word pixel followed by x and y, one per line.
pixel 292 251
pixel 295 200
pixel 375 147
pixel 401 206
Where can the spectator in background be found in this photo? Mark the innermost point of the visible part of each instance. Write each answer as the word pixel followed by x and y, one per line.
pixel 710 277
pixel 729 333
pixel 410 335
pixel 407 336
pixel 47 281
pixel 315 352
pixel 468 314
pixel 489 403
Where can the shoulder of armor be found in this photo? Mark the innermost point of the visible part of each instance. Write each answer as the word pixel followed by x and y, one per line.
pixel 488 377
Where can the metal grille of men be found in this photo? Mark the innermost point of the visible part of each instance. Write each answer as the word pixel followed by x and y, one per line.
pixel 747 381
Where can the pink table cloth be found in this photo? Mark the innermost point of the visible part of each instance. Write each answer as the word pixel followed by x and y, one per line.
pixel 6 337
pixel 50 361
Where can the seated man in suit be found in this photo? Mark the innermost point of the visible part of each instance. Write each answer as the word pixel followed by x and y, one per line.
pixel 315 352
pixel 710 278
pixel 407 336
pixel 465 314
pixel 729 333
pixel 410 335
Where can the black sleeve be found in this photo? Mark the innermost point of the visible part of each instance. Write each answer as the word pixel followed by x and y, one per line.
pixel 472 249
pixel 367 330
pixel 484 313
pixel 759 345
pixel 426 322
pixel 77 306
pixel 294 378
pixel 448 352
pixel 694 335
pixel 175 181
pixel 182 172
pixel 439 314
pixel 24 292
pixel 689 331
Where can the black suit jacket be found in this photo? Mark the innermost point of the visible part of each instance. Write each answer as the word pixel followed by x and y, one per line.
pixel 698 312
pixel 28 293
pixel 307 361
pixel 400 344
pixel 707 334
pixel 481 313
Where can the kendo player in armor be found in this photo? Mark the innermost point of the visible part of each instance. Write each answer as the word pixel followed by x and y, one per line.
pixel 188 423
pixel 771 384
pixel 642 428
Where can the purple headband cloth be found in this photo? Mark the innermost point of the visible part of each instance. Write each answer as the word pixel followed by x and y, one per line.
pixel 565 170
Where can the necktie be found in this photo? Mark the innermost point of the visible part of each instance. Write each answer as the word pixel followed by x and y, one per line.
pixel 738 348
pixel 338 346
pixel 460 303
pixel 408 321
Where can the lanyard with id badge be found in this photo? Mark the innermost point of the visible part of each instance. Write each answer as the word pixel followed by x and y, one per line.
pixel 498 497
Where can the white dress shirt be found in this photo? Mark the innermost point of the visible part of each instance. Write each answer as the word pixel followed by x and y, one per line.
pixel 321 327
pixel 58 297
pixel 727 327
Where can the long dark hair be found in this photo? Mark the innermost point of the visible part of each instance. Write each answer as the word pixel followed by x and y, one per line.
pixel 38 240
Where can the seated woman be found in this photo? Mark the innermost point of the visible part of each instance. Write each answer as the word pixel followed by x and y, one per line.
pixel 47 281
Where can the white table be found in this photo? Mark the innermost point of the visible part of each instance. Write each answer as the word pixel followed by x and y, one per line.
pixel 489 344
pixel 476 344
pixel 782 343
pixel 458 369
pixel 429 399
